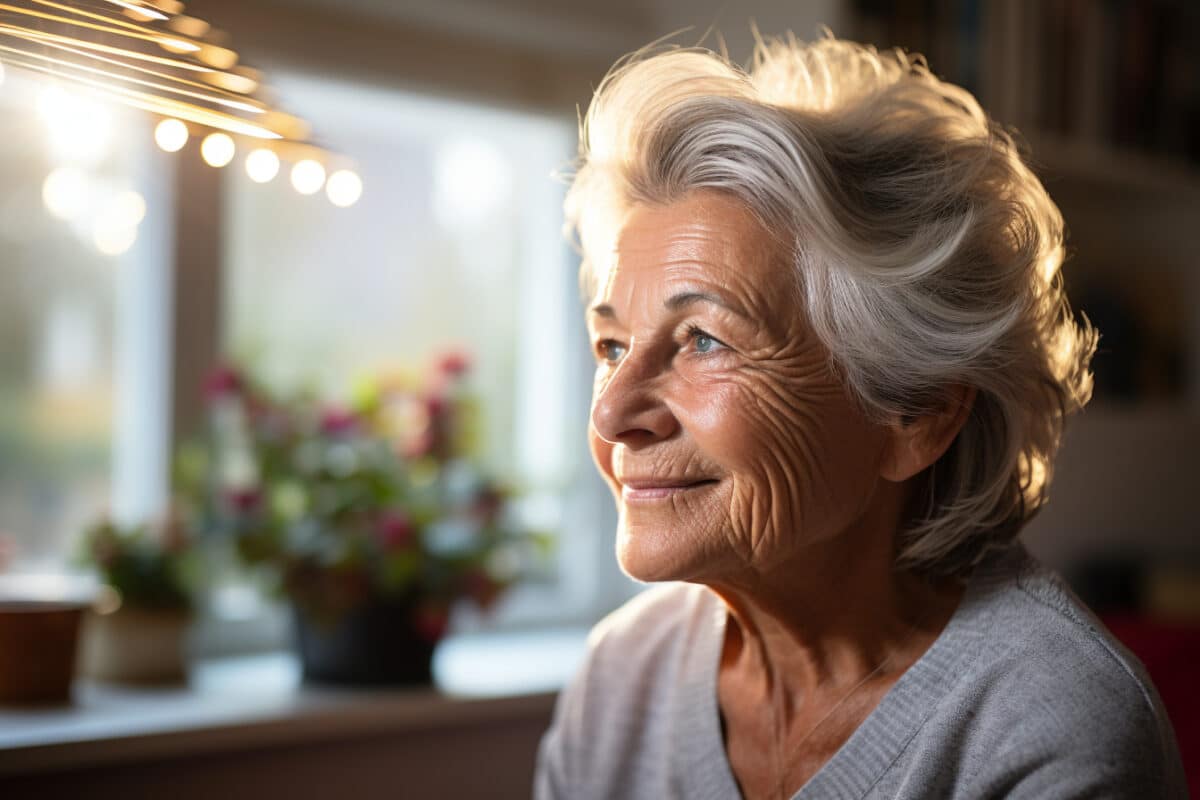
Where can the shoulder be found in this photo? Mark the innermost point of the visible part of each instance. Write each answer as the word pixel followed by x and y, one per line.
pixel 1054 700
pixel 614 720
pixel 654 621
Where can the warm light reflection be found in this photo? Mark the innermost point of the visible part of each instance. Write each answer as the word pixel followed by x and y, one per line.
pixel 64 192
pixel 128 208
pixel 308 176
pixel 344 188
pixel 217 149
pixel 110 237
pixel 178 46
pixel 80 129
pixel 262 165
pixel 142 11
pixel 171 135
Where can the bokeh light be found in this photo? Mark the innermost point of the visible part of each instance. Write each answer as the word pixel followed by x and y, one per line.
pixel 344 188
pixel 308 176
pixel 217 149
pixel 262 165
pixel 64 192
pixel 171 135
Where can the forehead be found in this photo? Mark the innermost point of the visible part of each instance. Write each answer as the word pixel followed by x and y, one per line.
pixel 705 237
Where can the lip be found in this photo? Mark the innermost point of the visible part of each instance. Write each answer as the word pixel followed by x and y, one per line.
pixel 653 488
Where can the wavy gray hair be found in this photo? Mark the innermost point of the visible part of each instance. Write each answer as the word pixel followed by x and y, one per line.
pixel 926 252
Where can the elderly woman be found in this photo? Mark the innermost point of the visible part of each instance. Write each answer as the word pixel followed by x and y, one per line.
pixel 833 362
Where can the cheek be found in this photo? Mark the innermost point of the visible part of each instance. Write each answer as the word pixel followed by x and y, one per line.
pixel 799 459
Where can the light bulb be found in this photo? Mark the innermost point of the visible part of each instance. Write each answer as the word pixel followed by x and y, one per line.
pixel 308 176
pixel 262 165
pixel 217 149
pixel 64 192
pixel 344 188
pixel 171 135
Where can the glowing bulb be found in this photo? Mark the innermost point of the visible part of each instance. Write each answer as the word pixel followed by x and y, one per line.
pixel 344 188
pixel 64 192
pixel 308 176
pixel 128 208
pixel 171 135
pixel 217 149
pixel 262 165
pixel 113 239
pixel 79 128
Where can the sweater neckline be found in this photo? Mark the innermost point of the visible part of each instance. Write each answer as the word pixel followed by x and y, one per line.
pixel 880 739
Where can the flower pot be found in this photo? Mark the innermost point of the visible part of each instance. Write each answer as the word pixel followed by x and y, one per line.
pixel 37 650
pixel 370 645
pixel 133 645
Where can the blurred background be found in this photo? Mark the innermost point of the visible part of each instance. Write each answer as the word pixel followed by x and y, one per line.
pixel 457 115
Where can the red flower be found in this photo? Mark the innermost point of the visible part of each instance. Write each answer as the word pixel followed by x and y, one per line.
pixel 395 530
pixel 435 406
pixel 242 501
pixel 454 364
pixel 337 421
pixel 430 622
pixel 223 381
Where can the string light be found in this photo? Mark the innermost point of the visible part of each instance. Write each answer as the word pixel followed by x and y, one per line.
pixel 344 188
pixel 308 176
pixel 217 149
pixel 262 165
pixel 171 135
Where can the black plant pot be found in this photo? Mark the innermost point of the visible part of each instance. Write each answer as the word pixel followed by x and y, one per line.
pixel 374 645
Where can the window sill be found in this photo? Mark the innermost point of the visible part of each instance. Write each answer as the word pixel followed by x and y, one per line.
pixel 235 704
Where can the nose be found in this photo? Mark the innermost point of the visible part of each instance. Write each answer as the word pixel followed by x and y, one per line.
pixel 628 408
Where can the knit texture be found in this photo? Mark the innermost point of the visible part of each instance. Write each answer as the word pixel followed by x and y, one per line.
pixel 1023 695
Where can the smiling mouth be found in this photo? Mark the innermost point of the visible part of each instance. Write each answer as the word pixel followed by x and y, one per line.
pixel 651 490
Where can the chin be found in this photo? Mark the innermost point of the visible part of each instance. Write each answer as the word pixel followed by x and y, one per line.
pixel 652 554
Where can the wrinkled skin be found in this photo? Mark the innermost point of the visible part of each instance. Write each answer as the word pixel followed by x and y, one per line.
pixel 734 389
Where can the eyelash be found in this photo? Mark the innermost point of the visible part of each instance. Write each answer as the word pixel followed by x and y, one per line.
pixel 693 333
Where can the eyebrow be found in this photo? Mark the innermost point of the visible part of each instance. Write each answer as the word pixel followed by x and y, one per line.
pixel 676 302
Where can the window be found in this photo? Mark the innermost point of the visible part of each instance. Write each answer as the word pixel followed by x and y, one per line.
pixel 455 242
pixel 84 240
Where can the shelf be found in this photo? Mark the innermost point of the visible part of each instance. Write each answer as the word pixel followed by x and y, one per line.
pixel 1056 158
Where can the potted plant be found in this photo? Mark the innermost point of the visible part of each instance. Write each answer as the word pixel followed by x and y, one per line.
pixel 370 518
pixel 136 630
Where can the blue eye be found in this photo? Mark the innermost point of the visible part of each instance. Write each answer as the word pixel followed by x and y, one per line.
pixel 610 350
pixel 702 342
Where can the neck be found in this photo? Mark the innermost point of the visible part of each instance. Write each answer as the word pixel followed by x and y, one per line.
pixel 832 615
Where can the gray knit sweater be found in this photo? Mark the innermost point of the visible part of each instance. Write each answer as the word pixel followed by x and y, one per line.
pixel 1023 695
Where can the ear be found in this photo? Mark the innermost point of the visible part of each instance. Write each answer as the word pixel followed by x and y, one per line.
pixel 914 444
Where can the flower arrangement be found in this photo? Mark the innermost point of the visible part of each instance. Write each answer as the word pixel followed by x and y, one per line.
pixel 149 567
pixel 348 506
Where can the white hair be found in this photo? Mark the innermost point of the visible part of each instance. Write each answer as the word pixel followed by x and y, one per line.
pixel 926 252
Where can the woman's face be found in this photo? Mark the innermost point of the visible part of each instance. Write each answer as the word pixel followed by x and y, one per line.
pixel 729 444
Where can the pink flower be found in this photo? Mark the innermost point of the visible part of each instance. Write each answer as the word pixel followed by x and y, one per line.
pixel 337 421
pixel 223 381
pixel 242 501
pixel 436 405
pixel 395 530
pixel 454 364
pixel 420 445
